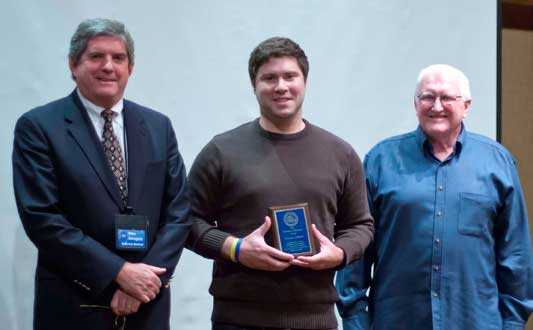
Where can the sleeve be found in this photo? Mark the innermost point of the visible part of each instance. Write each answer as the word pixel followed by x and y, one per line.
pixel 354 226
pixel 175 222
pixel 514 270
pixel 205 183
pixel 72 253
pixel 353 281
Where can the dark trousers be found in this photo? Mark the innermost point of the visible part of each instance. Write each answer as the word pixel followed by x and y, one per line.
pixel 224 326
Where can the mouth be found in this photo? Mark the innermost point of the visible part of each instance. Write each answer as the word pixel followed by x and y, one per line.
pixel 437 117
pixel 105 80
pixel 282 99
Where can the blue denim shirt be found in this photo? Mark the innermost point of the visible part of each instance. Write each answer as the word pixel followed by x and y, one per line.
pixel 451 247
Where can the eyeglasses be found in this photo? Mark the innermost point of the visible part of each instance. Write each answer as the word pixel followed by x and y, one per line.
pixel 445 99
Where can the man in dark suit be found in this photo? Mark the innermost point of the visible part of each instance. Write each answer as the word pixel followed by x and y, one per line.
pixel 101 191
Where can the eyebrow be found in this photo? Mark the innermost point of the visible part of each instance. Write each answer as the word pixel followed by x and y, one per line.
pixel 280 73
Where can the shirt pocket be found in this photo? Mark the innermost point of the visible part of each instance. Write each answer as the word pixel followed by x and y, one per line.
pixel 476 213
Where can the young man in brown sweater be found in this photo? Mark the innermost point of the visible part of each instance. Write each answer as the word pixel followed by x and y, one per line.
pixel 277 159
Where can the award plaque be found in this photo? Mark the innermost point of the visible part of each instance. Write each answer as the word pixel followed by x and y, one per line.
pixel 291 229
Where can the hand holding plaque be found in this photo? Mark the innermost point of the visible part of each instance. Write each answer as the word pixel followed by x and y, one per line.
pixel 257 254
pixel 291 229
pixel 329 257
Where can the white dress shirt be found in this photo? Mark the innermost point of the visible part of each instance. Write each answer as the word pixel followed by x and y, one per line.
pixel 95 111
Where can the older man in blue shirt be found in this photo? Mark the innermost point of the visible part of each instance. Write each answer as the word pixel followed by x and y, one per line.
pixel 452 247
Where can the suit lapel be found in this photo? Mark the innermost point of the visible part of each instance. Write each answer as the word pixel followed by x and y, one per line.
pixel 81 129
pixel 139 151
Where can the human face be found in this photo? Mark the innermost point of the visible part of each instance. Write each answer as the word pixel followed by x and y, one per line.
pixel 280 89
pixel 441 121
pixel 103 70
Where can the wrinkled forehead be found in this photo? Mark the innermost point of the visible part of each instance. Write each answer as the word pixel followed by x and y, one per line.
pixel 441 82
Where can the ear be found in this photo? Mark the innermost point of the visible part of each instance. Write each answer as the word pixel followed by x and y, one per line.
pixel 71 65
pixel 130 69
pixel 467 104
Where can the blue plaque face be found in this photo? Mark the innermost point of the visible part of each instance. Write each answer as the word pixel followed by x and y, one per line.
pixel 292 231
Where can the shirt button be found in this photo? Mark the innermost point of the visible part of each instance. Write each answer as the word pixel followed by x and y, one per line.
pixel 441 188
pixel 437 241
pixel 435 294
pixel 439 214
pixel 436 268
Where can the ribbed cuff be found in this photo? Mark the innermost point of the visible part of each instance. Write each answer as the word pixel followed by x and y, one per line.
pixel 211 243
pixel 352 251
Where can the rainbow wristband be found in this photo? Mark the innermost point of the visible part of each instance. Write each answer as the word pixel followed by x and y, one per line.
pixel 237 249
pixel 232 250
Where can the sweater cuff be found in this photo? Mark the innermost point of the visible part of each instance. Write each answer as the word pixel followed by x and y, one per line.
pixel 343 263
pixel 352 251
pixel 211 244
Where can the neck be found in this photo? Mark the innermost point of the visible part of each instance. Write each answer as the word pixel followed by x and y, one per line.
pixel 285 126
pixel 443 147
pixel 106 103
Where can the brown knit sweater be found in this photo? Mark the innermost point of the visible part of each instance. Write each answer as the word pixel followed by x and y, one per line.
pixel 233 181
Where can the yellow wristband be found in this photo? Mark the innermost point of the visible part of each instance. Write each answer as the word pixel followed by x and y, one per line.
pixel 232 250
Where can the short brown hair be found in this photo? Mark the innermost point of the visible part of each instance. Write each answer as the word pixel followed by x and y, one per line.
pixel 276 47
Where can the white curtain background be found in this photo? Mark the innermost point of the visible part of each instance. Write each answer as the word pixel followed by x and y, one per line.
pixel 191 64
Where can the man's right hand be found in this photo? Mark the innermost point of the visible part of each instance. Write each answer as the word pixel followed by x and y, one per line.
pixel 255 253
pixel 141 281
pixel 124 304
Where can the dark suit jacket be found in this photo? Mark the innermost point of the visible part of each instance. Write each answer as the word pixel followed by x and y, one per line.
pixel 67 199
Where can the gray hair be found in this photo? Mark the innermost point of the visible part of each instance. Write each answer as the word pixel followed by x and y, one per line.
pixel 91 28
pixel 464 84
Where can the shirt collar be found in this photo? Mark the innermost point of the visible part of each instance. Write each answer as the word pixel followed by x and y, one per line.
pixel 91 107
pixel 424 144
pixel 282 136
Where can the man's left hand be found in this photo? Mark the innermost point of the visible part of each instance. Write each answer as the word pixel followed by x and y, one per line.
pixel 124 304
pixel 330 256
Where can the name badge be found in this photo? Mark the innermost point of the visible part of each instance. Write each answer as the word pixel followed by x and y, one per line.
pixel 130 232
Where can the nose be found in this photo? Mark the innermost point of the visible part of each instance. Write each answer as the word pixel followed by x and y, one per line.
pixel 108 64
pixel 437 106
pixel 281 86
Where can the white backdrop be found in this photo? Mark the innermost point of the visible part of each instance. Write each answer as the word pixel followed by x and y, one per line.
pixel 191 64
